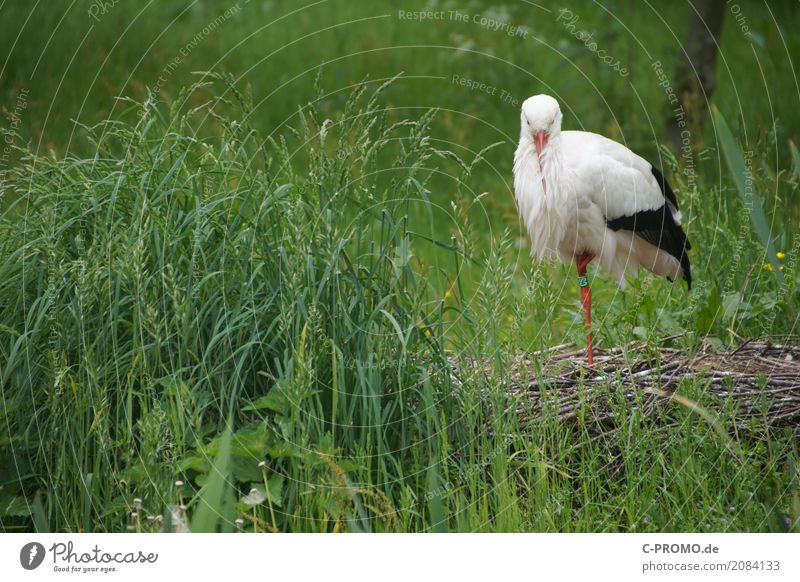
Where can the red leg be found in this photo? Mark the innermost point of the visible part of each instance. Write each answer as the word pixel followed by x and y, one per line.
pixel 586 299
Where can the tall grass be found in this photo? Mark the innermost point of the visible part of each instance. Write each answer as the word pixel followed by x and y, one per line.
pixel 206 329
pixel 176 284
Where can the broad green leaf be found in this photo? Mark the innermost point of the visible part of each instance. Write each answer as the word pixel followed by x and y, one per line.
pixel 274 400
pixel 211 505
pixel 744 184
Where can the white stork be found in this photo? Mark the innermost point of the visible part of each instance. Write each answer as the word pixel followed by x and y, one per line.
pixel 583 196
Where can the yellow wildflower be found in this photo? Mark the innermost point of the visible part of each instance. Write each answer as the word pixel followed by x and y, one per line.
pixel 767 266
pixel 780 255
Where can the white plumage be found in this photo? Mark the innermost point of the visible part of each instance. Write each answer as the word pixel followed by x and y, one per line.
pixel 579 182
pixel 583 196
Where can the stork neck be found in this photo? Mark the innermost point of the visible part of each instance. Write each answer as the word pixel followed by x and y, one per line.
pixel 549 161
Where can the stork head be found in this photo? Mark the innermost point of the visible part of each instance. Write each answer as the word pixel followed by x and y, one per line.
pixel 540 121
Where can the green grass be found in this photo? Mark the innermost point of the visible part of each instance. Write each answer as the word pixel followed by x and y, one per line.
pixel 264 299
pixel 201 309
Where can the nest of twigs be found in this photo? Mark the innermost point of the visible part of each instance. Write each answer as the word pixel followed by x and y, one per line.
pixel 762 378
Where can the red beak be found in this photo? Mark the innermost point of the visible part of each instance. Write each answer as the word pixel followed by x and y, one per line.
pixel 540 138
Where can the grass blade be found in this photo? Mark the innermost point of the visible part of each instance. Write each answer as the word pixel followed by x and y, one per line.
pixel 211 507
pixel 743 179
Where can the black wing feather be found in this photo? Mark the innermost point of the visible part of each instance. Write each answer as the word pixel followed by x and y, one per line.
pixel 659 228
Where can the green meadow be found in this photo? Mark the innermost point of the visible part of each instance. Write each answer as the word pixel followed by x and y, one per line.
pixel 261 270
